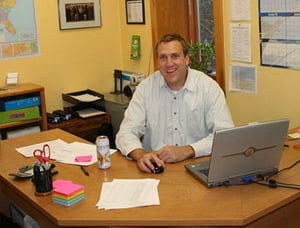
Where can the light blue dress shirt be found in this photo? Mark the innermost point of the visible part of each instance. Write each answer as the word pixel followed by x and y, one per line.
pixel 158 116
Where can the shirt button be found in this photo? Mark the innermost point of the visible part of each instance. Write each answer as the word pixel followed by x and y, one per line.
pixel 174 98
pixel 175 129
pixel 175 113
pixel 176 144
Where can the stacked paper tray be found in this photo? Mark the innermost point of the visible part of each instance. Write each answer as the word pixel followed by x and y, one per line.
pixel 82 96
pixel 66 193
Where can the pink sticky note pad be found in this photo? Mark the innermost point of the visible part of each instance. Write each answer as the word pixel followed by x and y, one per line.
pixel 66 187
pixel 298 130
pixel 86 158
pixel 60 182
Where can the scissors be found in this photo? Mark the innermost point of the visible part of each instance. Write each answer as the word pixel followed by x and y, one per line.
pixel 43 155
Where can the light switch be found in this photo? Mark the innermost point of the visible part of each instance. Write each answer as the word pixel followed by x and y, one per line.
pixel 12 78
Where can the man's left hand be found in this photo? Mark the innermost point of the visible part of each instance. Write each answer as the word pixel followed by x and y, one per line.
pixel 172 154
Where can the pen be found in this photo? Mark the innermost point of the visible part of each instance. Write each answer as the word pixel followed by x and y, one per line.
pixel 54 173
pixel 84 171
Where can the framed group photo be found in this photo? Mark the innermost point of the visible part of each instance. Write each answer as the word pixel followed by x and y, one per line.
pixel 76 14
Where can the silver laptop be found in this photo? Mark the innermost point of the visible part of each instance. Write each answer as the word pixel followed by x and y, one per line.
pixel 241 154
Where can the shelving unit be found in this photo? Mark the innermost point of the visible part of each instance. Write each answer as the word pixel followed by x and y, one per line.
pixel 19 91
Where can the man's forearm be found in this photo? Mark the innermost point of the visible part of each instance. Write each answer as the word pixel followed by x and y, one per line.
pixel 136 154
pixel 190 153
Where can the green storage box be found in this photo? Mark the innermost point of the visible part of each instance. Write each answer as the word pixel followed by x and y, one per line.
pixel 19 114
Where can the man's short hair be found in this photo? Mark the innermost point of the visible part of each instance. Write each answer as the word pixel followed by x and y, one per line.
pixel 172 37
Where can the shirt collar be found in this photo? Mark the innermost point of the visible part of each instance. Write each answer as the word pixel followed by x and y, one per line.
pixel 188 85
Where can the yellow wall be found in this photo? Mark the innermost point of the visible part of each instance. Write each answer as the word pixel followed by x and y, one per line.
pixel 278 89
pixel 145 63
pixel 74 60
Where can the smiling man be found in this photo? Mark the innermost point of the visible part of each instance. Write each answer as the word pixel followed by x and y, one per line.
pixel 174 112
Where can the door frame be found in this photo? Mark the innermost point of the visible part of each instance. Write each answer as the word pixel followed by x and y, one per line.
pixel 193 33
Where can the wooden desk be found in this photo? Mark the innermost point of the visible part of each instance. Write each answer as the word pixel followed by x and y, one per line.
pixel 183 200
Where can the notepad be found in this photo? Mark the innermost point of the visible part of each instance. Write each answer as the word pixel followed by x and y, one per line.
pixel 67 193
pixel 85 158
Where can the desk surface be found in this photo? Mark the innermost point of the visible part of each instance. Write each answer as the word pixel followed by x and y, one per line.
pixel 183 200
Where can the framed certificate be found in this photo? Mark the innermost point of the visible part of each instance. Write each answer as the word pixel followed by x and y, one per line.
pixel 135 12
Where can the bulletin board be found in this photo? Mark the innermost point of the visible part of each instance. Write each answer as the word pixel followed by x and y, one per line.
pixel 280 33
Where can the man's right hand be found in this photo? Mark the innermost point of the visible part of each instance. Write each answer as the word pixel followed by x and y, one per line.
pixel 144 160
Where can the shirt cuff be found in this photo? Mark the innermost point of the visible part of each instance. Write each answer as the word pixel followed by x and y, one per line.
pixel 201 148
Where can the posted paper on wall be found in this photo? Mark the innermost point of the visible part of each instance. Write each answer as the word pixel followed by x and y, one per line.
pixel 240 42
pixel 240 10
pixel 243 78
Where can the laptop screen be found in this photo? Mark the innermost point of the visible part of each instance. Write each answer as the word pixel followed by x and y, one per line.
pixel 247 150
pixel 250 150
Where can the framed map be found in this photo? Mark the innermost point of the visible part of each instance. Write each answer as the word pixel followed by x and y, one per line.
pixel 18 33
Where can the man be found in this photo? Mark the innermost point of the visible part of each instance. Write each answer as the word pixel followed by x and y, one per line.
pixel 174 112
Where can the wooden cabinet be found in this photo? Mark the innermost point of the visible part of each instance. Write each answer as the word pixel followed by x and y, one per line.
pixel 86 128
pixel 18 92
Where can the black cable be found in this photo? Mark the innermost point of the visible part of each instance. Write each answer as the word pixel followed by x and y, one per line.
pixel 286 168
pixel 289 167
pixel 274 184
pixel 287 184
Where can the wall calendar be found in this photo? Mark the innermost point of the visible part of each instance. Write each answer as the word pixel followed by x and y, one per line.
pixel 280 33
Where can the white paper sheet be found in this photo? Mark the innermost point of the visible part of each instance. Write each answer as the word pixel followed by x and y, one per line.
pixel 64 152
pixel 240 42
pixel 86 97
pixel 243 78
pixel 55 148
pixel 128 193
pixel 240 10
pixel 72 150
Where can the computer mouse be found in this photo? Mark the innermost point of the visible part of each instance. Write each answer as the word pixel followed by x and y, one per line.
pixel 157 169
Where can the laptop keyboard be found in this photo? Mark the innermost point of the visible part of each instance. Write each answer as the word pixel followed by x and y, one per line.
pixel 204 171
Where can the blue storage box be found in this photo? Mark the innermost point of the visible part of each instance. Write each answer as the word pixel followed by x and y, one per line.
pixel 21 103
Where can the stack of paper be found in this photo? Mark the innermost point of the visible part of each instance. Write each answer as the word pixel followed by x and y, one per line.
pixel 295 135
pixel 89 112
pixel 128 193
pixel 86 97
pixel 66 193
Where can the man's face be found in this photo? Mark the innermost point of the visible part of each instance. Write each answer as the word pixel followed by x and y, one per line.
pixel 172 64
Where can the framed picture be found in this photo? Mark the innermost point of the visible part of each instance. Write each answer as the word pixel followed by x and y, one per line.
pixel 76 14
pixel 135 12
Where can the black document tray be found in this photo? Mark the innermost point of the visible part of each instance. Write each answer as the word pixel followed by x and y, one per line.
pixel 68 96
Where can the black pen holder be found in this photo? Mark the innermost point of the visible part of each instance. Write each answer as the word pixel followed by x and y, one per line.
pixel 42 179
